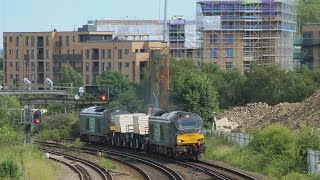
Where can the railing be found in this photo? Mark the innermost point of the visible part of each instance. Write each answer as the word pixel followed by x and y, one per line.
pixel 95 56
pixel 65 57
pixel 235 138
pixel 40 57
pixel 40 44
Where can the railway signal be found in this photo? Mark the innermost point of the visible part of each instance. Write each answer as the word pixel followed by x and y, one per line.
pixel 37 117
pixel 103 95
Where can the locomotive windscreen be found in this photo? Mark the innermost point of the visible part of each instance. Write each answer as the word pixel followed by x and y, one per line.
pixel 189 125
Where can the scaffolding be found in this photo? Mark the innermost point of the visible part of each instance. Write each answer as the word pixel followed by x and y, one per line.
pixel 181 32
pixel 233 33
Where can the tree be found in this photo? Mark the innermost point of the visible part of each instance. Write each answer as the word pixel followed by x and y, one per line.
pixel 1 77
pixel 308 11
pixel 116 82
pixel 69 75
pixel 121 91
pixel 194 92
pixel 1 63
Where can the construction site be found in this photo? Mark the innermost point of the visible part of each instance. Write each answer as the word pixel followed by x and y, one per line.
pixel 258 115
pixel 233 33
pixel 181 33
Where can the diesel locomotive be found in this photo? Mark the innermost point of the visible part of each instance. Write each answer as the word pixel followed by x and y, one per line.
pixel 175 134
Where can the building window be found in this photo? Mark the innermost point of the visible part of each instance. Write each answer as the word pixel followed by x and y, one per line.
pixel 87 67
pixel 17 54
pixel 32 40
pixel 10 51
pixel 33 78
pixel 213 53
pixel 119 53
pixel 213 38
pixel 32 66
pixel 87 53
pixel 67 41
pixel 119 66
pixel 11 39
pixel 103 54
pixel 26 41
pixel 102 66
pixel 229 38
pixel 11 64
pixel 229 53
pixel 17 66
pixel 47 76
pixel 108 65
pixel 48 54
pixel 17 77
pixel 11 76
pixel 17 41
pixel 126 51
pixel 47 40
pixel 27 66
pixel 142 50
pixel 228 65
pixel 109 54
pixel 47 66
pixel 32 54
pixel 27 76
pixel 127 64
pixel 73 39
pixel 60 40
pixel 87 79
pixel 73 51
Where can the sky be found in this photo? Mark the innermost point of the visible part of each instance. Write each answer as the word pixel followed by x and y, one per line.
pixel 67 15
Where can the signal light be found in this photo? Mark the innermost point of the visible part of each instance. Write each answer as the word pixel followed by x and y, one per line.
pixel 103 95
pixel 37 115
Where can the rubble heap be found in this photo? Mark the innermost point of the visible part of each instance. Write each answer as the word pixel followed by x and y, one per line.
pixel 293 115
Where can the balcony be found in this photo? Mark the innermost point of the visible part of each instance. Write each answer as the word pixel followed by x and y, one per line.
pixel 40 44
pixel 40 57
pixel 67 57
pixel 57 70
pixel 40 69
pixel 95 56
pixel 58 44
pixel 95 70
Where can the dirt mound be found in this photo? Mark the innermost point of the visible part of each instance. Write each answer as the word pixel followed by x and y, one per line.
pixel 293 115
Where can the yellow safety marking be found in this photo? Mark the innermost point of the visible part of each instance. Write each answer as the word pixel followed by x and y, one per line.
pixel 188 139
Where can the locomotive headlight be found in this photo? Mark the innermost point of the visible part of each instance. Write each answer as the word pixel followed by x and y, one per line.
pixel 179 141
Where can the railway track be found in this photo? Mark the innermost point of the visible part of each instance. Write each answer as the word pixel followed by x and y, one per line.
pixel 213 170
pixel 79 165
pixel 131 160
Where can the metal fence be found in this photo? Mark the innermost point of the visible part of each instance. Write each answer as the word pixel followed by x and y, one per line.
pixel 236 138
pixel 313 161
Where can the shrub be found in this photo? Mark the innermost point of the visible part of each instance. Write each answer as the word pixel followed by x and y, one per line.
pixel 9 169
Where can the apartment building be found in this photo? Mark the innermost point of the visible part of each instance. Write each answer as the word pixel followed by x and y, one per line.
pixel 41 55
pixel 310 45
pixel 234 33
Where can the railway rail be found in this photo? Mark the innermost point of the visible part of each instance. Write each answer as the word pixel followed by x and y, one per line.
pixel 211 169
pixel 127 159
pixel 79 166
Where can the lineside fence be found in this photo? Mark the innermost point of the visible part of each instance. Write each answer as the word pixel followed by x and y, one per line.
pixel 235 138
pixel 313 161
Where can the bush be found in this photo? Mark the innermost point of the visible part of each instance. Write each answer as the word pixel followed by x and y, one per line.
pixel 9 169
pixel 106 163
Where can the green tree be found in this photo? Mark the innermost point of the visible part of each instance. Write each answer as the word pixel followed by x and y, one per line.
pixel 1 63
pixel 194 92
pixel 1 77
pixel 121 91
pixel 9 110
pixel 116 82
pixel 308 11
pixel 69 75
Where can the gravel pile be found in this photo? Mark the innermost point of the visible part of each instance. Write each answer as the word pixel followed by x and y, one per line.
pixel 293 115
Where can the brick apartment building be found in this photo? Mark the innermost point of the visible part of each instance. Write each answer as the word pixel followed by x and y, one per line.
pixel 41 55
